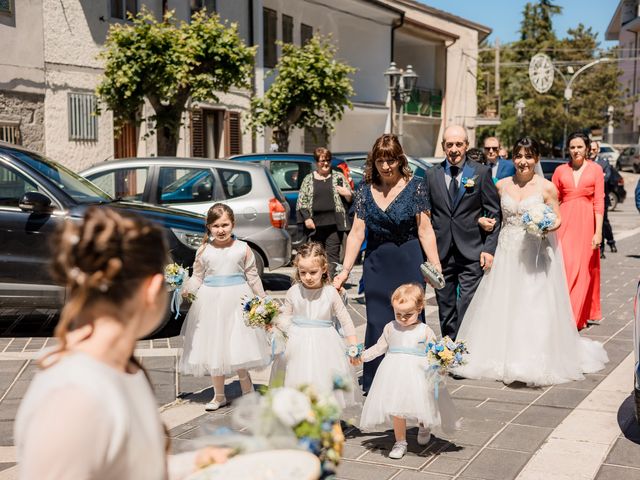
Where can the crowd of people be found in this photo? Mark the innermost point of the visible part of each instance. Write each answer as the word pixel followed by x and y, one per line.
pixel 516 299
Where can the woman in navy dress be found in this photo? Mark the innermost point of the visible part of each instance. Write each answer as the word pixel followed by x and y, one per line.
pixel 393 207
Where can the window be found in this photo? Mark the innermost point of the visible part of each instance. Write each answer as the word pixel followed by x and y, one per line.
pixel 185 185
pixel 120 8
pixel 287 29
pixel 233 133
pixel 83 123
pixel 125 183
pixel 197 5
pixel 6 7
pixel 12 187
pixel 289 175
pixel 10 133
pixel 235 183
pixel 270 25
pixel 306 33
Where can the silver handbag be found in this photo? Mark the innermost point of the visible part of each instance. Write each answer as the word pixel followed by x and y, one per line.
pixel 432 276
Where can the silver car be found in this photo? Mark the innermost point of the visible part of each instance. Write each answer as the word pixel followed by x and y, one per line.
pixel 193 185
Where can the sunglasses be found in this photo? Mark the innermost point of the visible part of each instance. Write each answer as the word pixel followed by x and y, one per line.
pixel 323 161
pixel 457 144
pixel 489 149
pixel 391 162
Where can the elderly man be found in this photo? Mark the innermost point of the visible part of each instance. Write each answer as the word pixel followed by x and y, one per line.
pixel 461 191
pixel 500 167
pixel 610 177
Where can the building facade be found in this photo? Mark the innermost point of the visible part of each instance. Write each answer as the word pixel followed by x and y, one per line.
pixel 51 67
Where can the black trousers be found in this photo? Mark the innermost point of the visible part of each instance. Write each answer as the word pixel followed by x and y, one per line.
pixel 331 239
pixel 607 231
pixel 457 270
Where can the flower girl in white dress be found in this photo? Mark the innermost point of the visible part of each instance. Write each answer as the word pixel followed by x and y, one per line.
pixel 216 340
pixel 402 390
pixel 314 352
pixel 519 325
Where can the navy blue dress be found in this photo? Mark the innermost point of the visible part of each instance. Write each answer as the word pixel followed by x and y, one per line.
pixel 392 257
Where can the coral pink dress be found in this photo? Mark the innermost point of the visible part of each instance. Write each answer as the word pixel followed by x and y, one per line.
pixel 578 206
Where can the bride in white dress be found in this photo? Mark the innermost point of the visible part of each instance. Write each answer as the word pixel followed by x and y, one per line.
pixel 519 325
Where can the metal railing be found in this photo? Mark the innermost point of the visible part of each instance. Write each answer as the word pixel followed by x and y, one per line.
pixel 425 102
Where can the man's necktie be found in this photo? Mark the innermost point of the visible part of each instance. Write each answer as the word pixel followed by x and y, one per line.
pixel 453 184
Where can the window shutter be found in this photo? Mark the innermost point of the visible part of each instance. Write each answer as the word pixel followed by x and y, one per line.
pixel 197 133
pixel 233 134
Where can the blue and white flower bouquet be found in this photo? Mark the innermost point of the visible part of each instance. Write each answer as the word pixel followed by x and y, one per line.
pixel 538 219
pixel 176 277
pixel 446 354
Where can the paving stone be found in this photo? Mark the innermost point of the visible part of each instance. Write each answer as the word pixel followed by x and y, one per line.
pixel 591 381
pixel 352 451
pixel 625 453
pixel 562 397
pixel 494 464
pixel 411 475
pixel 413 459
pixel 485 412
pixel 610 472
pixel 542 416
pixel 449 466
pixel 477 393
pixel 4 466
pixel 452 450
pixel 521 437
pixel 350 470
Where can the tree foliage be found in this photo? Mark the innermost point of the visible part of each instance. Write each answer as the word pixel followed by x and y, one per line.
pixel 311 89
pixel 544 117
pixel 167 63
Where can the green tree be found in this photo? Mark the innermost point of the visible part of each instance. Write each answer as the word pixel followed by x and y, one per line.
pixel 311 89
pixel 545 117
pixel 167 63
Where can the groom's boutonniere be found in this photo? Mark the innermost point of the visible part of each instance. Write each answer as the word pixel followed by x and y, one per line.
pixel 469 183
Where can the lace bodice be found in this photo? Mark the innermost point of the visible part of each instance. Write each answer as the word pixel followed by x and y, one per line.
pixel 513 232
pixel 395 335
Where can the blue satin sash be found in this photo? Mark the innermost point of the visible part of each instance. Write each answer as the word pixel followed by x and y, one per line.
pixel 224 280
pixel 408 350
pixel 308 323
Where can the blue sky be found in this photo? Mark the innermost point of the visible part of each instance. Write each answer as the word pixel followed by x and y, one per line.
pixel 504 16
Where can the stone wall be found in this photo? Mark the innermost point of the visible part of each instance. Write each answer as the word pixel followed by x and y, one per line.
pixel 27 111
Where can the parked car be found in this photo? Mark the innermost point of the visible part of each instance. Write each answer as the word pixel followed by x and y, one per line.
pixel 193 185
pixel 629 158
pixel 288 171
pixel 357 162
pixel 36 196
pixel 609 153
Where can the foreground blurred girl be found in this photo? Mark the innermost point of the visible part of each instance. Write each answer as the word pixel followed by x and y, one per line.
pixel 216 340
pixel 90 412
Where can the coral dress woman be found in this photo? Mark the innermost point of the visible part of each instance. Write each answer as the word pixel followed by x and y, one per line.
pixel 580 186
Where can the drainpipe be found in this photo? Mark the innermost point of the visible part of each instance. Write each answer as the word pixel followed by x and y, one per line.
pixel 253 77
pixel 395 25
pixel 438 151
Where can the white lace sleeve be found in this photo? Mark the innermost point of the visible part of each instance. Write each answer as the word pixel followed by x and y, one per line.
pixel 379 348
pixel 251 273
pixel 342 314
pixel 286 315
pixel 197 277
pixel 70 438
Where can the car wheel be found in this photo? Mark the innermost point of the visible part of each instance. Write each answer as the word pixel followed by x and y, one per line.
pixel 259 262
pixel 613 201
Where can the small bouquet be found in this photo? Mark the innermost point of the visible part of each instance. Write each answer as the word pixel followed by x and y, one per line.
pixel 260 312
pixel 355 351
pixel 538 219
pixel 446 354
pixel 176 276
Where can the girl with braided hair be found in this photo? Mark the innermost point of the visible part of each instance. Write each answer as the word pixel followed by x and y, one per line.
pixel 90 412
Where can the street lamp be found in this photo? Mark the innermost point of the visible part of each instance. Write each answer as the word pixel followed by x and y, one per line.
pixel 400 83
pixel 520 106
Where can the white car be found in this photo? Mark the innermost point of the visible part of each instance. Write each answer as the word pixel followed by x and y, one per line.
pixel 610 153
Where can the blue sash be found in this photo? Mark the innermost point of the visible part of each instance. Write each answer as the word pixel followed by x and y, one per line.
pixel 408 350
pixel 308 323
pixel 224 280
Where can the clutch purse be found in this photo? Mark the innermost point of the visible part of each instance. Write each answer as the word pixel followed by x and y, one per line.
pixel 432 276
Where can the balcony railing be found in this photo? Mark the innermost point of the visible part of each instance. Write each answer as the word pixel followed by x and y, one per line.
pixel 425 102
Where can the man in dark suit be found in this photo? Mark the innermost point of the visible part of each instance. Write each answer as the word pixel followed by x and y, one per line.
pixel 609 177
pixel 500 167
pixel 461 191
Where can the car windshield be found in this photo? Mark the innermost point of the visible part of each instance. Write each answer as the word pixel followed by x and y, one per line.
pixel 78 188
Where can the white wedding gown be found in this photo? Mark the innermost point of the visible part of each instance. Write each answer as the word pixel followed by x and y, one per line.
pixel 519 325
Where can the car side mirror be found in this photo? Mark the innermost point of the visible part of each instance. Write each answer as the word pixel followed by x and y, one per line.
pixel 35 202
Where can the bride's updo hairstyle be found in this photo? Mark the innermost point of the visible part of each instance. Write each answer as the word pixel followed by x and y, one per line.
pixel 387 147
pixel 103 259
pixel 409 293
pixel 530 146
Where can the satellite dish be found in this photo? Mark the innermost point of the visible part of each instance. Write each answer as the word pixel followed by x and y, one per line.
pixel 541 72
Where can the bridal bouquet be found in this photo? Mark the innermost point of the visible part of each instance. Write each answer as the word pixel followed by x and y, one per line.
pixel 446 354
pixel 538 219
pixel 176 276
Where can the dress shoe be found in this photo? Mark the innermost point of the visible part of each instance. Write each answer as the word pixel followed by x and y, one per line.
pixel 602 255
pixel 215 405
pixel 398 451
pixel 613 248
pixel 424 435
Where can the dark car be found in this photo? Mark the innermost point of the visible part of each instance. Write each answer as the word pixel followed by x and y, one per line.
pixel 288 171
pixel 357 161
pixel 36 196
pixel 617 195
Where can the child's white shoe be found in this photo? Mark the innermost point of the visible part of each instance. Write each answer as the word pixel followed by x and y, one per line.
pixel 215 405
pixel 424 435
pixel 398 450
